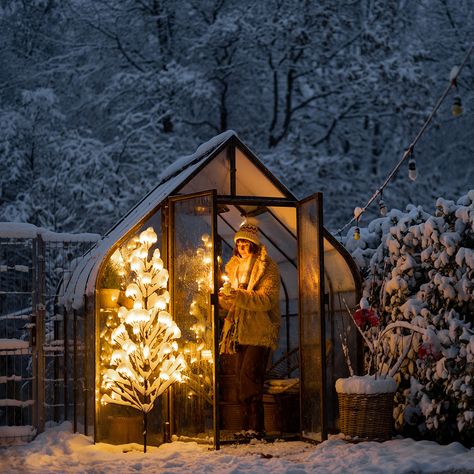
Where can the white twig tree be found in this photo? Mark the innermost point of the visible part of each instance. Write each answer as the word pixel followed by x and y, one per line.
pixel 143 361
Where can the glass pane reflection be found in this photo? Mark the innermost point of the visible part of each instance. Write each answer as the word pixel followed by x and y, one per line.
pixel 192 277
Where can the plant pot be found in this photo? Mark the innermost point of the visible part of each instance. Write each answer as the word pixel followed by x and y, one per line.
pixel 108 298
pixel 366 416
pixel 231 416
pixel 124 301
pixel 281 412
pixel 125 429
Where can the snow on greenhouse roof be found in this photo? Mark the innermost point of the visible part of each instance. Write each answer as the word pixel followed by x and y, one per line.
pixel 202 151
pixel 83 279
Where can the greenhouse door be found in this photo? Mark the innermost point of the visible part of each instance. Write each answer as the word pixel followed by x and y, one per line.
pixel 192 260
pixel 311 318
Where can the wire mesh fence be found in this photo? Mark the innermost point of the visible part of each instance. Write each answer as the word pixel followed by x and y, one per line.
pixel 39 343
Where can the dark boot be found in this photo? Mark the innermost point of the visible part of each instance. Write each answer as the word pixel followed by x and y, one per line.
pixel 246 410
pixel 257 419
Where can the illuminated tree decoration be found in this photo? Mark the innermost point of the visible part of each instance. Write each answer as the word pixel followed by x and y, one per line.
pixel 143 360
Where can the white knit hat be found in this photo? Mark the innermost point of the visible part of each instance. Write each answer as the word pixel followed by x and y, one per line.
pixel 248 231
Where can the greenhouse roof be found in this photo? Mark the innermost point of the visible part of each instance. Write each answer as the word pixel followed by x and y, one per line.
pixel 211 168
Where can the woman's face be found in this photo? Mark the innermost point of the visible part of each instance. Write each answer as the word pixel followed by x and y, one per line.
pixel 243 247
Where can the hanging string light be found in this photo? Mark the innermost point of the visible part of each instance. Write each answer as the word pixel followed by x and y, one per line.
pixel 357 232
pixel 456 109
pixel 382 206
pixel 455 72
pixel 412 167
pixel 357 213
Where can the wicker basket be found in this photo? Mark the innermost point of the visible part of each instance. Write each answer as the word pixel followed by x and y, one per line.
pixel 368 417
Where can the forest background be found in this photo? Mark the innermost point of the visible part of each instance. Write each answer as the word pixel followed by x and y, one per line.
pixel 98 97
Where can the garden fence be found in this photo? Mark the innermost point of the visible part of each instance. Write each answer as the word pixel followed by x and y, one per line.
pixel 39 345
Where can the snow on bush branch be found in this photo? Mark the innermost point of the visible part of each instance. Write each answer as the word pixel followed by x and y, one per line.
pixel 419 268
pixel 379 362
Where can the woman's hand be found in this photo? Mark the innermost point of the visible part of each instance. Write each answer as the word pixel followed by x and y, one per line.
pixel 226 301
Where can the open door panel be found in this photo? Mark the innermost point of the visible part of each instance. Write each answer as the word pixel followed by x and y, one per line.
pixel 311 317
pixel 192 264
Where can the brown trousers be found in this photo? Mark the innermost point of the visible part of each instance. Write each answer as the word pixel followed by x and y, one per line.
pixel 251 367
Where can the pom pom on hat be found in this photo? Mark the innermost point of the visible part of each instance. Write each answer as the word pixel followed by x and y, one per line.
pixel 248 231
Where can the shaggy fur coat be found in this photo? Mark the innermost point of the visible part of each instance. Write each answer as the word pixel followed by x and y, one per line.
pixel 257 309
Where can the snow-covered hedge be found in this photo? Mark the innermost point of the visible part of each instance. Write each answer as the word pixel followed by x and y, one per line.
pixel 419 267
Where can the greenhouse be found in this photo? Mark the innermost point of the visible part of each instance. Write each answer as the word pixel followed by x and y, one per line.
pixel 163 263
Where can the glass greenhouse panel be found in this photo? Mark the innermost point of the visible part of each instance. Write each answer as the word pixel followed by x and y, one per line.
pixel 192 276
pixel 251 180
pixel 215 175
pixel 312 335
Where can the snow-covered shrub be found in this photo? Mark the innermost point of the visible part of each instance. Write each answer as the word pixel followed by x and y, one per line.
pixel 385 348
pixel 419 268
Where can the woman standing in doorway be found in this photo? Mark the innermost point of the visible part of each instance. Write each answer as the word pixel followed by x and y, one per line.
pixel 252 324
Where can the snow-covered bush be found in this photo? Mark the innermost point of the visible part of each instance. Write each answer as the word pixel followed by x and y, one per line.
pixel 385 348
pixel 419 268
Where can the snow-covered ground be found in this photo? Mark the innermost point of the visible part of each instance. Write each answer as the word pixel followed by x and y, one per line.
pixel 59 451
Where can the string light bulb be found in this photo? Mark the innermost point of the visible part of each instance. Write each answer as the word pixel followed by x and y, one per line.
pixel 412 168
pixel 456 108
pixel 356 233
pixel 382 207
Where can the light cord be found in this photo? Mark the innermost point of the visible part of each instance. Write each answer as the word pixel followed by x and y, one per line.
pixel 411 147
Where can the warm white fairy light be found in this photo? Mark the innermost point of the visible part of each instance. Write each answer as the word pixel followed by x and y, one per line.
pixel 194 309
pixel 146 279
pixel 160 303
pixel 138 303
pixel 122 312
pixel 226 288
pixel 129 346
pixel 136 264
pixel 118 333
pixel 118 356
pixel 132 291
pixel 165 318
pixel 157 264
pixel 200 346
pixel 206 354
pixel 176 332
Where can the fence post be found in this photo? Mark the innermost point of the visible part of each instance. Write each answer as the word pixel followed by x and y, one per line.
pixel 74 371
pixel 39 309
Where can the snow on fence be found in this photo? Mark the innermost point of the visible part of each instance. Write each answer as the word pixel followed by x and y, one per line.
pixel 35 361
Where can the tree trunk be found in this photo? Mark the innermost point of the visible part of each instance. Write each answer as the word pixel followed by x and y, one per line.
pixel 145 426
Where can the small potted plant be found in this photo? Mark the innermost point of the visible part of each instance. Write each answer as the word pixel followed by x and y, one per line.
pixel 109 286
pixel 366 402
